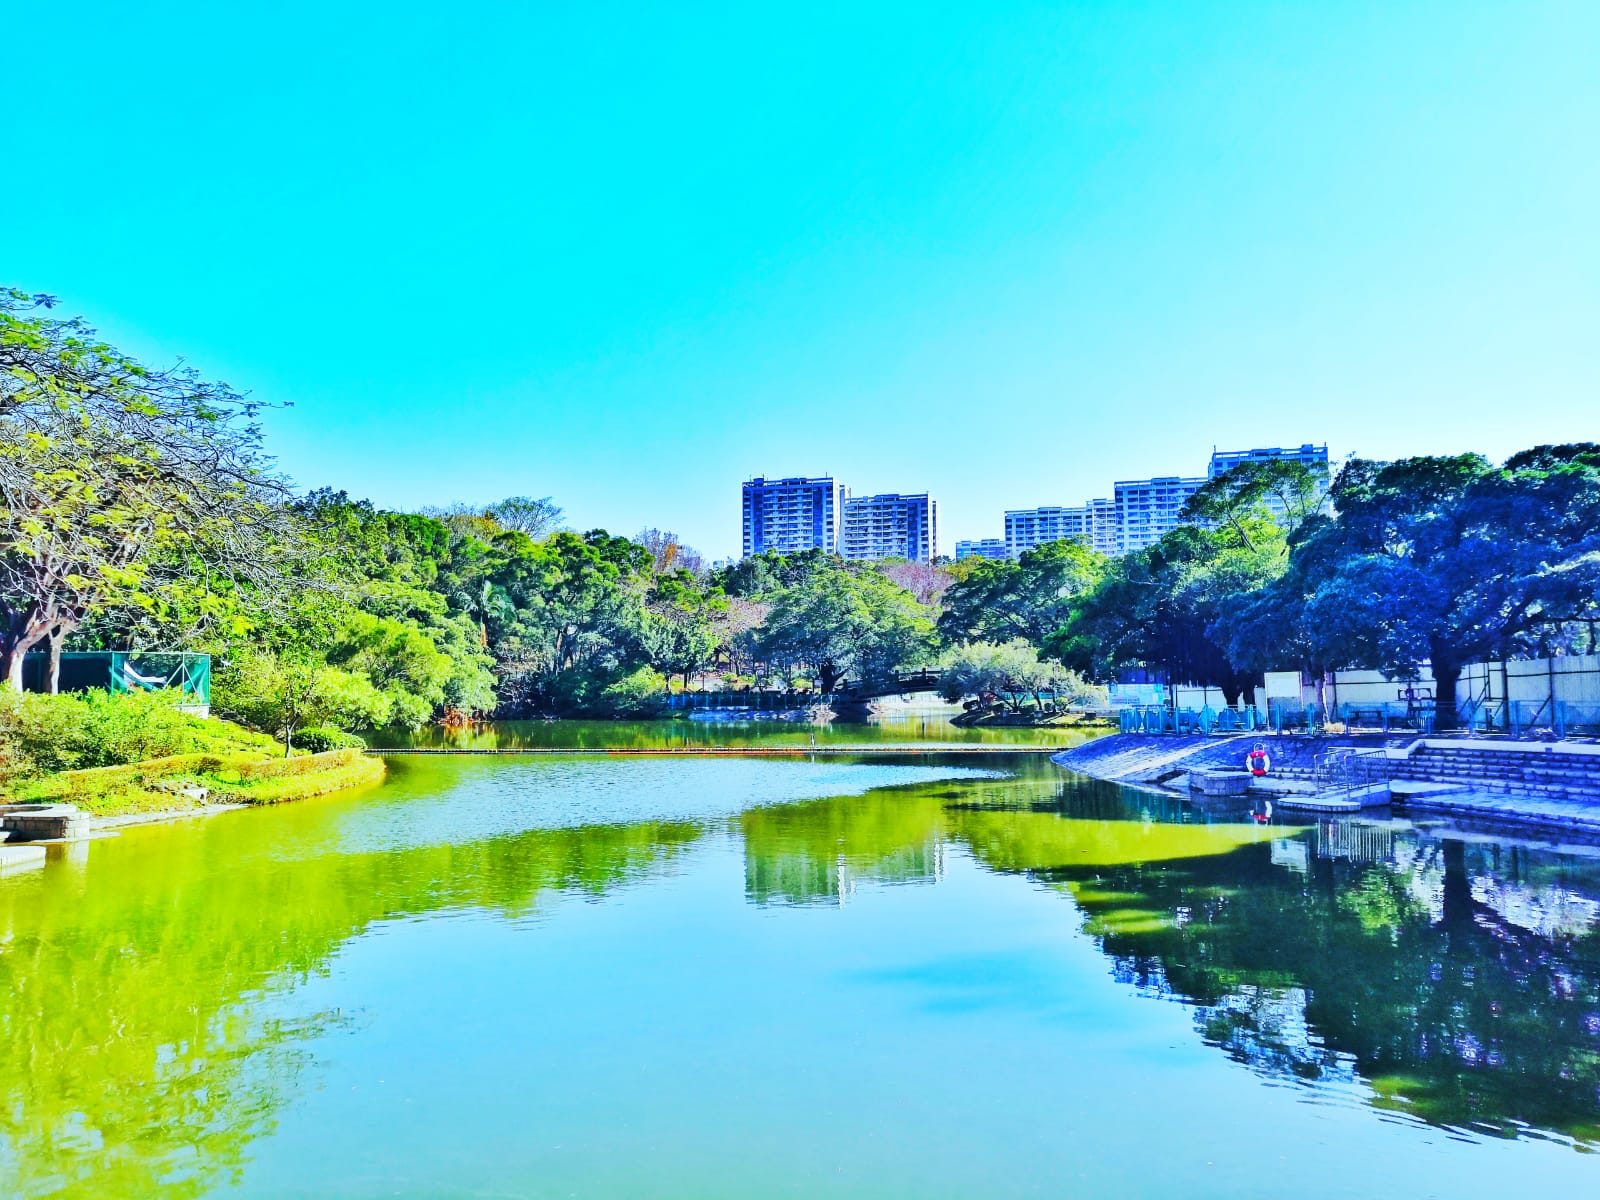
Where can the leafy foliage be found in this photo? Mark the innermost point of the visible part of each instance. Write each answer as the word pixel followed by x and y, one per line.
pixel 1438 560
pixel 41 734
pixel 1013 672
pixel 998 599
pixel 843 623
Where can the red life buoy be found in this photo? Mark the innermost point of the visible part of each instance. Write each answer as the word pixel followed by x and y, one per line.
pixel 1258 762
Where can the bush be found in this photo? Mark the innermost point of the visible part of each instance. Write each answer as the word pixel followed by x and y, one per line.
pixel 640 693
pixel 320 738
pixel 280 768
pixel 82 730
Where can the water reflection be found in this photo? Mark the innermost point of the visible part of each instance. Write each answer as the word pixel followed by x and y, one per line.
pixel 912 724
pixel 149 1035
pixel 140 1050
pixel 1460 979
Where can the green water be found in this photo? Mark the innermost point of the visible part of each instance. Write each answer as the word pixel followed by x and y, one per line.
pixel 944 976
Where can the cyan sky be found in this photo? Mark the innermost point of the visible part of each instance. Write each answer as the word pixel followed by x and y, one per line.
pixel 628 255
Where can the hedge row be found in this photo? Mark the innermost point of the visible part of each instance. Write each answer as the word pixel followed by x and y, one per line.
pixel 79 785
pixel 277 768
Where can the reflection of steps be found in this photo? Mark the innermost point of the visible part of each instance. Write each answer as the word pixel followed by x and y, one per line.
pixel 1536 770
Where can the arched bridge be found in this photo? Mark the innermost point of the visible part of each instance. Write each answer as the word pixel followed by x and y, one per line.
pixel 904 683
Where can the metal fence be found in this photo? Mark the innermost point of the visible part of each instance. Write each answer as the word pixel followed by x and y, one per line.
pixel 1346 770
pixel 1279 717
pixel 1523 718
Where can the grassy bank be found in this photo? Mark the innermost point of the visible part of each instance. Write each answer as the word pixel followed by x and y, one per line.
pixel 192 780
pixel 112 755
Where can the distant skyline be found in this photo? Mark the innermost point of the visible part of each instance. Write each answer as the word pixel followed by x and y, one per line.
pixel 631 255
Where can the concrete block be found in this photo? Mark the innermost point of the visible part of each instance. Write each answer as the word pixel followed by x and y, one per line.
pixel 1220 783
pixel 44 822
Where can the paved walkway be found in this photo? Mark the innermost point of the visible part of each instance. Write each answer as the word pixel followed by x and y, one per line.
pixel 1499 806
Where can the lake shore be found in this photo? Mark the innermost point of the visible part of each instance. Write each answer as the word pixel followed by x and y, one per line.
pixel 1553 785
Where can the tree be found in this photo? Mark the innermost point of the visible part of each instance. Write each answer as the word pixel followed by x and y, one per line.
pixel 927 582
pixel 111 472
pixel 1030 598
pixel 682 631
pixel 580 617
pixel 760 576
pixel 1237 499
pixel 844 624
pixel 1451 560
pixel 1012 671
pixel 536 519
pixel 483 602
pixel 282 692
pixel 1157 608
pixel 668 552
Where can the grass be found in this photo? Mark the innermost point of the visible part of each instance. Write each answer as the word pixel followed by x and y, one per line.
pixel 115 754
pixel 157 785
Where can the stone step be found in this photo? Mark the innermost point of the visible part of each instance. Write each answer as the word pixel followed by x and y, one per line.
pixel 1531 772
pixel 1576 778
pixel 1508 757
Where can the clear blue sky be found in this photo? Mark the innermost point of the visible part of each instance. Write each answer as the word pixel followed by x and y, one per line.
pixel 627 255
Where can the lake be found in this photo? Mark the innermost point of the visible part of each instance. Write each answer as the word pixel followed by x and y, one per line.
pixel 942 976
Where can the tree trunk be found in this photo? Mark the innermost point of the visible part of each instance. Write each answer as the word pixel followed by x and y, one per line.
pixel 11 658
pixel 53 679
pixel 1457 908
pixel 1230 693
pixel 1446 676
pixel 11 664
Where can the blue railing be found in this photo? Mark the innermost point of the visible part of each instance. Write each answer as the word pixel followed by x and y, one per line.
pixel 1280 717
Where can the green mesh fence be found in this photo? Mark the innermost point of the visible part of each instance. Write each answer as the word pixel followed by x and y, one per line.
pixel 125 671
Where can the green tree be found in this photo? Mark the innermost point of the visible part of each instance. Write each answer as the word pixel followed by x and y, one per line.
pixel 683 631
pixel 116 481
pixel 580 618
pixel 1447 561
pixel 482 603
pixel 998 599
pixel 1157 608
pixel 1237 500
pixel 844 624
pixel 1012 671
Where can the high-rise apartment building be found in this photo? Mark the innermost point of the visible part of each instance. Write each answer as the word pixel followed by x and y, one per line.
pixel 1030 527
pixel 890 526
pixel 792 514
pixel 1094 523
pixel 982 548
pixel 1313 457
pixel 1105 530
pixel 1148 508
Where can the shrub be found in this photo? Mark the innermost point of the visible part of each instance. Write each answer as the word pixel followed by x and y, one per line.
pixel 323 737
pixel 82 730
pixel 280 768
pixel 639 693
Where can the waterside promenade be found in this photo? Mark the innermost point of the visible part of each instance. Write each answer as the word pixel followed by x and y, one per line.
pixel 1552 784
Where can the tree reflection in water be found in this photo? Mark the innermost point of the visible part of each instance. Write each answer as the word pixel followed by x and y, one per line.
pixel 1459 978
pixel 140 1051
pixel 148 1032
